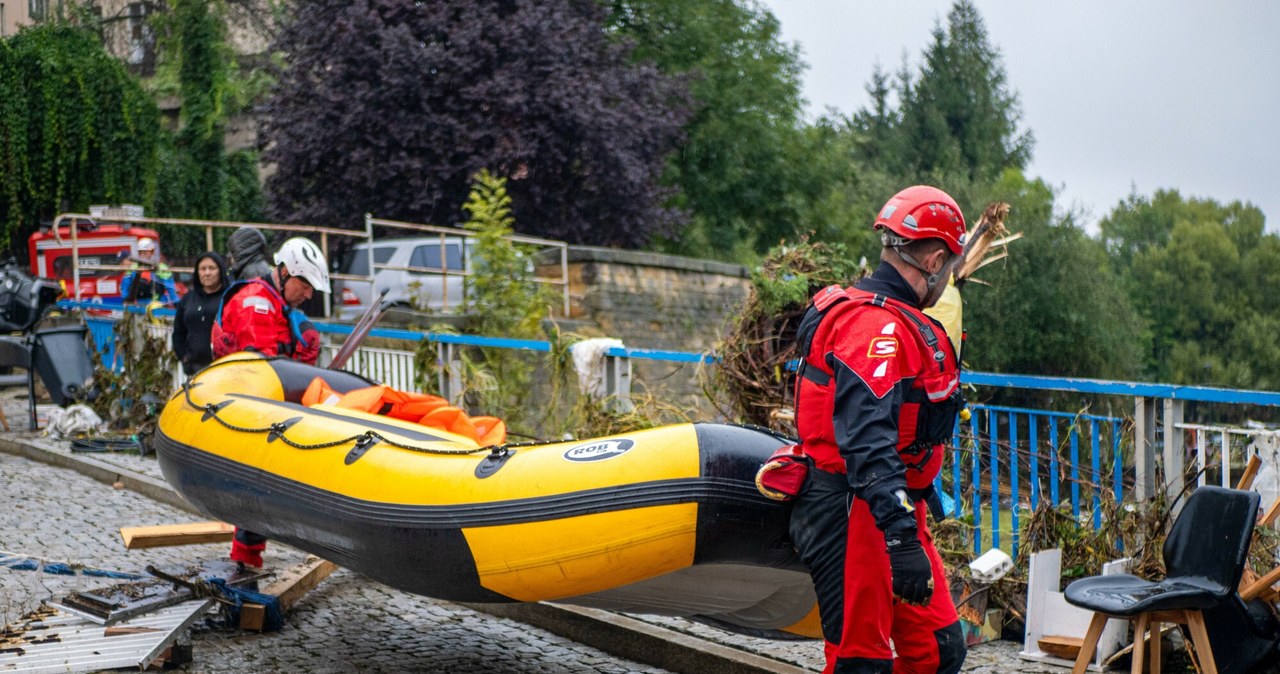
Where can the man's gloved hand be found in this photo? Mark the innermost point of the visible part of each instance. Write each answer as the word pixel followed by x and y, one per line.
pixel 223 342
pixel 308 349
pixel 305 336
pixel 912 574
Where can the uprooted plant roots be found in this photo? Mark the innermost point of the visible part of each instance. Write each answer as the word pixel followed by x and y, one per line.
pixel 752 384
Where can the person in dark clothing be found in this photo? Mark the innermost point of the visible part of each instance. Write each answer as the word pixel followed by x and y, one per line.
pixel 877 394
pixel 247 250
pixel 193 317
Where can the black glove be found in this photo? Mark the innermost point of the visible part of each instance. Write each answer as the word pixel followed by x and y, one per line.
pixel 912 574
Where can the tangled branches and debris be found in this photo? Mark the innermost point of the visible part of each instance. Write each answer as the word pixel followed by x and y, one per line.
pixel 752 383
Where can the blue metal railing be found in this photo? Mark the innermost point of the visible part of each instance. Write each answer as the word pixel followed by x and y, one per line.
pixel 1006 441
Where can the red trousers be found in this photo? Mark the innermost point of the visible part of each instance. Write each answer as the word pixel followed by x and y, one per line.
pixel 862 622
pixel 247 547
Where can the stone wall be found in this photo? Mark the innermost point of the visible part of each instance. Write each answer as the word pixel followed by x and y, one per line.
pixel 655 301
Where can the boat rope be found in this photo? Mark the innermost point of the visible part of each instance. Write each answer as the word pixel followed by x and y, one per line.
pixel 369 438
pixel 366 439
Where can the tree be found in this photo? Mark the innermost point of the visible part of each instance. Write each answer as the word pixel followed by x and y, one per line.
pixel 1203 275
pixel 504 297
pixel 200 179
pixel 390 107
pixel 743 171
pixel 1054 306
pixel 958 118
pixel 75 129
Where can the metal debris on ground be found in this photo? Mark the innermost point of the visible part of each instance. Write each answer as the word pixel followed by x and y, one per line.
pixel 114 603
pixel 48 640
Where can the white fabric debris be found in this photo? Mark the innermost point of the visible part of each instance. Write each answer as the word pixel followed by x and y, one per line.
pixel 68 421
pixel 1267 481
pixel 589 362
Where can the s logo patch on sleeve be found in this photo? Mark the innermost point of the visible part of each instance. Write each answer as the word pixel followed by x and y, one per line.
pixel 883 347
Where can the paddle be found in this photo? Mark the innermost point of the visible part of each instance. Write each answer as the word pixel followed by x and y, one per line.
pixel 361 330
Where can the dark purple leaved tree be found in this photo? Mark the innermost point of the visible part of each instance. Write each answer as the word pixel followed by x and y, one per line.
pixel 390 107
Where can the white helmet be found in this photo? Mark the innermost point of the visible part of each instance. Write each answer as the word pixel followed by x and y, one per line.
pixel 303 258
pixel 146 245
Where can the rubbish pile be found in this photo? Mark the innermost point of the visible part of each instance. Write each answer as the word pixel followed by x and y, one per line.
pixel 144 619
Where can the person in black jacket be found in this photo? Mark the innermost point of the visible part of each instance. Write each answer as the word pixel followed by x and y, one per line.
pixel 193 318
pixel 247 248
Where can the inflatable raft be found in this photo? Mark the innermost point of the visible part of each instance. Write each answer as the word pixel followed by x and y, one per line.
pixel 662 521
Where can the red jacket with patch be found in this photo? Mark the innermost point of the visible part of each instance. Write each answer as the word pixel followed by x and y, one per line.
pixel 878 390
pixel 255 315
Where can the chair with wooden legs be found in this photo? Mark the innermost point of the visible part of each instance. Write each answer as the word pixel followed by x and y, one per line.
pixel 1204 556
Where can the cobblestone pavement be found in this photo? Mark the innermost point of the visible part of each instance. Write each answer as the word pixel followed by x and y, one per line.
pixel 348 623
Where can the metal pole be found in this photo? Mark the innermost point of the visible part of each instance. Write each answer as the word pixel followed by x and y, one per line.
pixel 324 248
pixel 75 255
pixel 564 277
pixel 1174 459
pixel 444 276
pixel 368 250
pixel 1144 443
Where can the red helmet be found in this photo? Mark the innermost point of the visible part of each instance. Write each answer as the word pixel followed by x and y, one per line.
pixel 923 212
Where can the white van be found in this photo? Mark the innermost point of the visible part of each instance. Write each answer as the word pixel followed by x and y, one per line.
pixel 411 269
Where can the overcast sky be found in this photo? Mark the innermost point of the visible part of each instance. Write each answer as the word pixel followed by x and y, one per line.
pixel 1118 93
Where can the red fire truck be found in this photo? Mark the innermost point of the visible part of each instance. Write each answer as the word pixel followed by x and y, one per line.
pixel 99 243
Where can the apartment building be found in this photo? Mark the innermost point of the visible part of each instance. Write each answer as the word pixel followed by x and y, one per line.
pixel 128 36
pixel 125 32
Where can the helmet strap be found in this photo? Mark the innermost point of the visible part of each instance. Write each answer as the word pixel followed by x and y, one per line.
pixel 932 280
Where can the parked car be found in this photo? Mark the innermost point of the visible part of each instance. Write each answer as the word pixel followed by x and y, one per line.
pixel 420 277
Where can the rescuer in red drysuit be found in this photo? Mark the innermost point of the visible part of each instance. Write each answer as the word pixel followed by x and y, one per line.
pixel 876 396
pixel 261 314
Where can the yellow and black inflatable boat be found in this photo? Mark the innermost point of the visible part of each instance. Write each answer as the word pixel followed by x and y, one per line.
pixel 663 521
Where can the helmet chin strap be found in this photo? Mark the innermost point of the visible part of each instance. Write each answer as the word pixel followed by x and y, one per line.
pixel 932 280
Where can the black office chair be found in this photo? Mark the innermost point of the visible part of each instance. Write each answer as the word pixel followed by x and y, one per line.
pixel 1204 556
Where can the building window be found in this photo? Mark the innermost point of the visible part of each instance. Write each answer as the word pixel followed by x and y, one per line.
pixel 139 33
pixel 38 10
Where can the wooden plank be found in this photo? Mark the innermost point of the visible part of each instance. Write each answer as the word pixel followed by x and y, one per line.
pixel 1269 517
pixel 165 535
pixel 1250 472
pixel 119 630
pixel 288 588
pixel 1066 648
pixel 1262 586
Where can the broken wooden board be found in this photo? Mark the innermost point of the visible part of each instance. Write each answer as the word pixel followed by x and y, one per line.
pixel 288 588
pixel 1066 648
pixel 165 535
pixel 48 640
